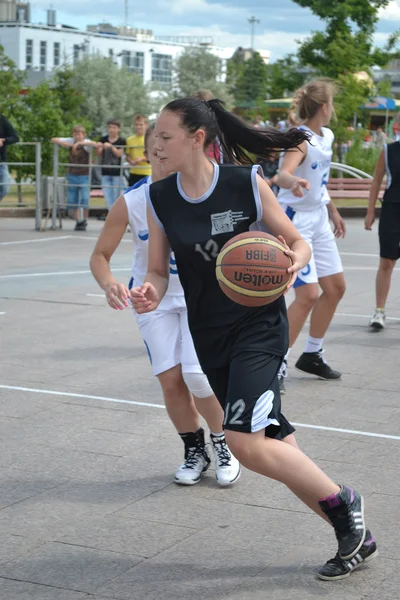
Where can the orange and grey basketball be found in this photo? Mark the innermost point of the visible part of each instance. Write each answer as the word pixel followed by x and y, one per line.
pixel 252 268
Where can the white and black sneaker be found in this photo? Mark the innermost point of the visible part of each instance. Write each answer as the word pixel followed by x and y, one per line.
pixel 345 510
pixel 378 320
pixel 282 374
pixel 197 458
pixel 315 364
pixel 337 568
pixel 227 467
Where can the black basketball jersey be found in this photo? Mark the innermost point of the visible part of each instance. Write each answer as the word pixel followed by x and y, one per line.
pixel 392 160
pixel 196 231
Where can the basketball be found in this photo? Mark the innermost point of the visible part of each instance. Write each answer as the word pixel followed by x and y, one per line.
pixel 252 268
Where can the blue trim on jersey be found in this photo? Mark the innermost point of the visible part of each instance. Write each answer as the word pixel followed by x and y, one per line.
pixel 290 212
pixel 137 185
pixel 148 351
pixel 130 284
pixel 299 282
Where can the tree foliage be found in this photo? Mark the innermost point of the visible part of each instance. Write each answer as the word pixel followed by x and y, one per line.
pixel 198 68
pixel 284 76
pixel 346 46
pixel 108 91
pixel 247 78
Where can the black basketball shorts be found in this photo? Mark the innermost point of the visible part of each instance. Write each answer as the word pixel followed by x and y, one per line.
pixel 248 391
pixel 389 231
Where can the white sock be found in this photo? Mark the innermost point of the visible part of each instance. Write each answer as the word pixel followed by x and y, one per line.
pixel 313 344
pixel 222 434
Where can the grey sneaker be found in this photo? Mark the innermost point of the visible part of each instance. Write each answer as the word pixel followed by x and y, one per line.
pixel 378 320
pixel 345 511
pixel 337 568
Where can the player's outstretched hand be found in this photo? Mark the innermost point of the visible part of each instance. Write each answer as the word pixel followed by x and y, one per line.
pixel 145 298
pixel 117 296
pixel 299 186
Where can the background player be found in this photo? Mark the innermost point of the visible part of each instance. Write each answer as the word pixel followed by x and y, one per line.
pixel 303 177
pixel 167 338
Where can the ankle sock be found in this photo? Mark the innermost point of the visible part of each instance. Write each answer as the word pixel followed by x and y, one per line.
pixel 313 344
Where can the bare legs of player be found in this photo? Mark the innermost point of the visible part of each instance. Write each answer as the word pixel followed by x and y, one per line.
pixel 383 279
pixel 322 307
pixel 184 410
pixel 284 463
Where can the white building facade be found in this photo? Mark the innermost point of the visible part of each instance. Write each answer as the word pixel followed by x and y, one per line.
pixel 39 49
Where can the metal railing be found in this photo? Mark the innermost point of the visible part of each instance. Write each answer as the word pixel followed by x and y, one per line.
pixel 37 164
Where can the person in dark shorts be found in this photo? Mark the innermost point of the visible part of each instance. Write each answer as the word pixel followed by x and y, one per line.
pixel 389 226
pixel 194 212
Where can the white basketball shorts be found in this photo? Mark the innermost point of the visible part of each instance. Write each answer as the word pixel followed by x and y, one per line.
pixel 315 228
pixel 167 338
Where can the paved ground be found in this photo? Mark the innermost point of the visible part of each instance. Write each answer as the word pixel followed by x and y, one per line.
pixel 87 507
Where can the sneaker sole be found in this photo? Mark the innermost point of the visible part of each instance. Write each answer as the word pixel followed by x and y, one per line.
pixel 319 376
pixel 354 552
pixel 346 575
pixel 376 326
pixel 227 483
pixel 192 481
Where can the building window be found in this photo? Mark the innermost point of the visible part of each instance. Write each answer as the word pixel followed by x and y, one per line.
pixel 161 68
pixel 133 61
pixel 29 54
pixel 76 53
pixel 56 54
pixel 43 55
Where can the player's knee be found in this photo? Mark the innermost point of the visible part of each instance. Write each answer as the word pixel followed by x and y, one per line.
pixel 198 384
pixel 387 264
pixel 308 296
pixel 171 381
pixel 338 289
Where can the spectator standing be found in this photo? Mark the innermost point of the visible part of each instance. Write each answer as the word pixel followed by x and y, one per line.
pixel 8 136
pixel 110 150
pixel 135 152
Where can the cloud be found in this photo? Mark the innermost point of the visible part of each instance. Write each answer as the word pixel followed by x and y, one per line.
pixel 391 12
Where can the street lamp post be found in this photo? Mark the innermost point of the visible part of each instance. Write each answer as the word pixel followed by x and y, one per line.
pixel 253 22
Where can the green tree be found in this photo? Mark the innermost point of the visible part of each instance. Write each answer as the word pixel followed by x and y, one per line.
pixel 11 84
pixel 285 76
pixel 108 91
pixel 346 46
pixel 247 79
pixel 198 68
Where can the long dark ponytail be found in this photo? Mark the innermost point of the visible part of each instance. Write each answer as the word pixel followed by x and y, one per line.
pixel 237 139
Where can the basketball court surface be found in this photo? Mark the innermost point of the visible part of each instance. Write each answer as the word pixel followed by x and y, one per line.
pixel 88 509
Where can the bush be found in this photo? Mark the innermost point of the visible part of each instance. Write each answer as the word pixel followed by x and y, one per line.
pixel 360 157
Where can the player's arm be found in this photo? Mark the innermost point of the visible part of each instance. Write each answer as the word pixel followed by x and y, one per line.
pixel 286 178
pixel 109 240
pixel 147 297
pixel 282 227
pixel 374 191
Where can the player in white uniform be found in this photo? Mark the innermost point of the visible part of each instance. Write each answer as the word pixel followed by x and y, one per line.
pixel 187 393
pixel 303 179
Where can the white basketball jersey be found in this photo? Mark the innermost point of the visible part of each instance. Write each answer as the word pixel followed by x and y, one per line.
pixel 136 204
pixel 315 169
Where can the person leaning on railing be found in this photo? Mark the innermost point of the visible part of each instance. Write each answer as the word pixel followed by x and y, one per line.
pixel 8 136
pixel 78 185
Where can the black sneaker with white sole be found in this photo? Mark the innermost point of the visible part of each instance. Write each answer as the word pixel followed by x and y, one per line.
pixel 337 568
pixel 314 364
pixel 345 510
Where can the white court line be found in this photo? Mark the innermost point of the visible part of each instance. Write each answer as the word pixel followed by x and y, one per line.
pixel 363 316
pixel 359 254
pixel 96 295
pixel 2 313
pixel 148 404
pixel 54 274
pixel 50 239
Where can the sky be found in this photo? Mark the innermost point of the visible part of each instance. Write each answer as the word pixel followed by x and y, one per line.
pixel 282 22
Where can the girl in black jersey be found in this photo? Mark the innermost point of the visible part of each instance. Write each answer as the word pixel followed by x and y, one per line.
pixel 195 212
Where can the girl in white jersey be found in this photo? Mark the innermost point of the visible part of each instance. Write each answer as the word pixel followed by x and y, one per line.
pixel 187 393
pixel 303 178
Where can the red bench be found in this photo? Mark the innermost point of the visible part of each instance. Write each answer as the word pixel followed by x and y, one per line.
pixel 351 188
